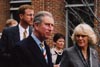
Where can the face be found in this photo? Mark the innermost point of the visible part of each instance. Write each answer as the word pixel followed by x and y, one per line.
pixel 28 16
pixel 45 28
pixel 82 40
pixel 60 43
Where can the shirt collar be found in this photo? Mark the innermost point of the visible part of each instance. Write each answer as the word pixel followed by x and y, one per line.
pixel 36 39
pixel 22 29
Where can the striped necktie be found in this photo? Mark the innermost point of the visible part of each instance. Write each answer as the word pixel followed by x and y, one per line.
pixel 44 51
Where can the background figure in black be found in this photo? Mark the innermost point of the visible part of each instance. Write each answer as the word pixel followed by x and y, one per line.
pixel 57 50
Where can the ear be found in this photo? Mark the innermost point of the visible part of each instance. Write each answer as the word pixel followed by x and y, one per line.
pixel 21 16
pixel 36 25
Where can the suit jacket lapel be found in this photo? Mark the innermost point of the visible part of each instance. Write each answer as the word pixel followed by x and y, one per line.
pixel 93 58
pixel 80 55
pixel 48 53
pixel 36 50
pixel 16 34
pixel 30 30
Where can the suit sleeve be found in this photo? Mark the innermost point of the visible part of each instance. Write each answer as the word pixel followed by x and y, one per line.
pixel 4 38
pixel 19 57
pixel 65 61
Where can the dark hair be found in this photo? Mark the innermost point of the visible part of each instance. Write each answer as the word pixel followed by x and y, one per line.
pixel 58 36
pixel 22 8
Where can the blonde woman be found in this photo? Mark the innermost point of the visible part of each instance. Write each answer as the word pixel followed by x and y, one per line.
pixel 81 54
pixel 11 23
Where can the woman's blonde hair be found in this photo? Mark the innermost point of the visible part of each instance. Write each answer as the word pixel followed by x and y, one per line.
pixel 11 22
pixel 85 29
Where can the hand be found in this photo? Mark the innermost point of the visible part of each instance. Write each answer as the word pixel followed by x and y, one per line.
pixel 56 65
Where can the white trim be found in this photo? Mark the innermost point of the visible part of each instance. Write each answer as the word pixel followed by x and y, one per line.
pixel 78 5
pixel 13 9
pixel 67 29
pixel 20 1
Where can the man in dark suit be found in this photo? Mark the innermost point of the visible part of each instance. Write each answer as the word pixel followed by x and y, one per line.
pixel 14 34
pixel 29 52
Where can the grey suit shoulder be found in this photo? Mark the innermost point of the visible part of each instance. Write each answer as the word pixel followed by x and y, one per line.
pixel 71 58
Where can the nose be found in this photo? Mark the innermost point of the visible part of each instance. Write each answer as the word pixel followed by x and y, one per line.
pixel 32 16
pixel 51 27
pixel 80 37
pixel 62 43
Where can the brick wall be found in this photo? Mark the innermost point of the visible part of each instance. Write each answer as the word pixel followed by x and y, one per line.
pixel 4 13
pixel 56 7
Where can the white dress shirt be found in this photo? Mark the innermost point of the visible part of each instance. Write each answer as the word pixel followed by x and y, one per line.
pixel 21 30
pixel 54 53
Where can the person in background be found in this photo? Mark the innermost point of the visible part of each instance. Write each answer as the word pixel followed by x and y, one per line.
pixel 14 34
pixel 81 54
pixel 11 23
pixel 57 50
pixel 33 51
pixel 11 35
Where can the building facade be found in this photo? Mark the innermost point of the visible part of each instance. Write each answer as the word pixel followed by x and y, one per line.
pixel 67 14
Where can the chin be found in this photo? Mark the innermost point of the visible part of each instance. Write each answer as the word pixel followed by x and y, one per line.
pixel 48 37
pixel 81 45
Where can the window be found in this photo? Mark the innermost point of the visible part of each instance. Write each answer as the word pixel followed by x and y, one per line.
pixel 14 5
pixel 78 11
pixel 78 1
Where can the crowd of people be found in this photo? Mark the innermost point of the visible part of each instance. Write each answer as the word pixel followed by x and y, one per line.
pixel 23 43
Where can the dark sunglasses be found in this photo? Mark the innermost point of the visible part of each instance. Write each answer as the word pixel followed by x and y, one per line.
pixel 81 35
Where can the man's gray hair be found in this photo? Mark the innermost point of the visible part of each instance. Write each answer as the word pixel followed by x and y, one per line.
pixel 40 14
